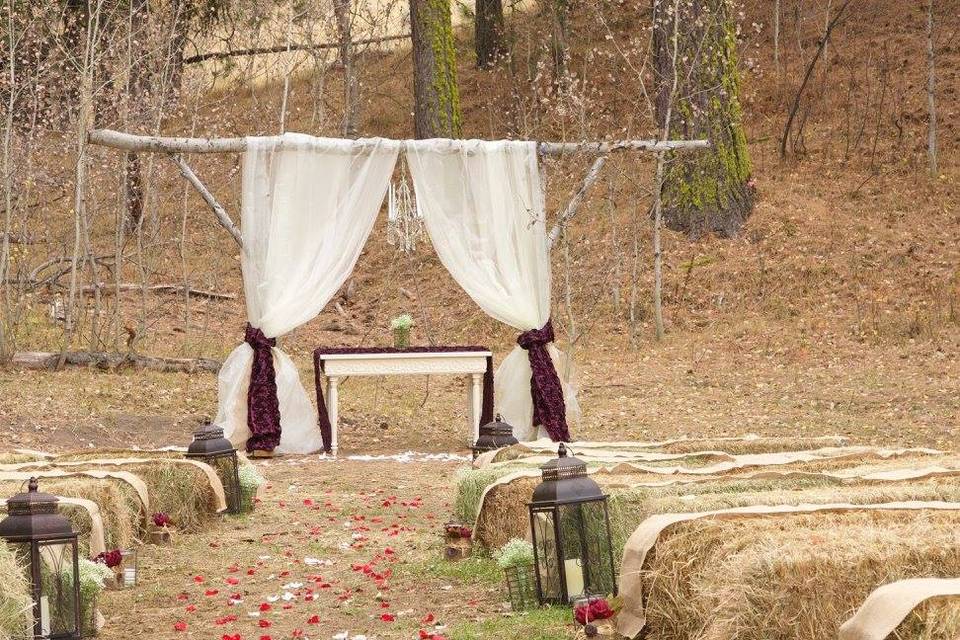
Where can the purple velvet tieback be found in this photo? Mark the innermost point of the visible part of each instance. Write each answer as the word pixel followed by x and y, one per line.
pixel 486 408
pixel 549 409
pixel 263 405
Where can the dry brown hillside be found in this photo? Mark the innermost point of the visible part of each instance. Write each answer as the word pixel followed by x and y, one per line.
pixel 836 310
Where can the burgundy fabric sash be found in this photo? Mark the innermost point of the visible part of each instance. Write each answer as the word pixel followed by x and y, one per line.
pixel 549 408
pixel 486 409
pixel 263 405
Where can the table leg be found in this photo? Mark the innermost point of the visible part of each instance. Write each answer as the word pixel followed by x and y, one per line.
pixel 476 404
pixel 332 411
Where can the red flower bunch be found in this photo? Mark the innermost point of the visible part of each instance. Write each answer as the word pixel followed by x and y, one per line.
pixel 110 558
pixel 456 530
pixel 161 519
pixel 595 609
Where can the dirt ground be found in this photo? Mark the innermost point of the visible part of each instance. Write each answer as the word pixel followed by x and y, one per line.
pixel 378 522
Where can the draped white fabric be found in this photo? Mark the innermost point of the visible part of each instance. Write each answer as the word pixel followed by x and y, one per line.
pixel 309 205
pixel 483 206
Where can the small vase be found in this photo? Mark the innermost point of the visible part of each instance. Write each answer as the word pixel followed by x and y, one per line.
pixel 118 582
pixel 401 338
pixel 160 535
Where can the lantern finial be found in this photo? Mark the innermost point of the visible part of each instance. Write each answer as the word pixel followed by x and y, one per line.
pixel 562 451
pixel 33 485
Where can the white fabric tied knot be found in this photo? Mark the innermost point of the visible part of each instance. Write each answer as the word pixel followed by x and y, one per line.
pixel 309 205
pixel 482 204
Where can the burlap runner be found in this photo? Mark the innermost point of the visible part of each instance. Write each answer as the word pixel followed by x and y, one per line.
pixel 632 617
pixel 97 540
pixel 545 445
pixel 212 478
pixel 884 609
pixel 730 462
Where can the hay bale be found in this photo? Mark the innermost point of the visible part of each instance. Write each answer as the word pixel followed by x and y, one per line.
pixel 790 577
pixel 120 507
pixel 935 619
pixel 505 515
pixel 15 601
pixel 180 490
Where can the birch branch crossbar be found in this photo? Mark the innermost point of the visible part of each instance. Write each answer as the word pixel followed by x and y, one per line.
pixel 173 147
pixel 163 144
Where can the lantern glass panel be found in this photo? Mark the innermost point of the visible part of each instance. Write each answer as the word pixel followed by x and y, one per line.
pixel 547 558
pixel 57 597
pixel 585 549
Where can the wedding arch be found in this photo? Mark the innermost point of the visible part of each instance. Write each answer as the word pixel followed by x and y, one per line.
pixel 308 206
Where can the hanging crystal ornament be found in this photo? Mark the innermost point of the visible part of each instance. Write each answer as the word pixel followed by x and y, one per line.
pixel 404 224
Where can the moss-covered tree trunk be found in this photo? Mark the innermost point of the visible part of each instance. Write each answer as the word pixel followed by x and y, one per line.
pixel 488 32
pixel 706 190
pixel 436 97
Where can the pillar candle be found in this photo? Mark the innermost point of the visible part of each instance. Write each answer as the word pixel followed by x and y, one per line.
pixel 573 571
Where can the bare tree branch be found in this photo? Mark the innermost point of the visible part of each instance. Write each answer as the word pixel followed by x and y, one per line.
pixel 282 48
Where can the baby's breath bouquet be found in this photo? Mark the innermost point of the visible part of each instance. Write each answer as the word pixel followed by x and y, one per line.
pixel 514 553
pixel 516 560
pixel 250 482
pixel 401 330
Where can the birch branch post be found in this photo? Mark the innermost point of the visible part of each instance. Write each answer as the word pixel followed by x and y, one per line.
pixel 574 204
pixel 218 209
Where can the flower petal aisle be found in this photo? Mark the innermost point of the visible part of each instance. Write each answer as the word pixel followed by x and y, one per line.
pixel 335 549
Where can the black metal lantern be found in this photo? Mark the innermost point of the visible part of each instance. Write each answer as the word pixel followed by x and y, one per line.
pixel 46 544
pixel 572 546
pixel 209 446
pixel 493 435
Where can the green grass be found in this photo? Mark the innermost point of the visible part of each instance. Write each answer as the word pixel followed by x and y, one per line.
pixel 473 570
pixel 551 623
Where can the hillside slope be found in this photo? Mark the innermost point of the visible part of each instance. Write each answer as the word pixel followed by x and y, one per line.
pixel 837 309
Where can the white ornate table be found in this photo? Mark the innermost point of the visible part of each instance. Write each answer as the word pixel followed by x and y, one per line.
pixel 470 363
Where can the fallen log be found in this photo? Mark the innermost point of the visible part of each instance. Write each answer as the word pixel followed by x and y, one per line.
pixel 113 361
pixel 107 289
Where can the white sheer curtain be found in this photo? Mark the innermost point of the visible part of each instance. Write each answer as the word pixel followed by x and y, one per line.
pixel 482 204
pixel 309 205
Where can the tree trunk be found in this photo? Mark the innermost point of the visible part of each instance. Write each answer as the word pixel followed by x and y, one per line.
pixel 707 190
pixel 931 96
pixel 179 24
pixel 488 32
pixel 776 36
pixel 558 38
pixel 344 15
pixel 435 93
